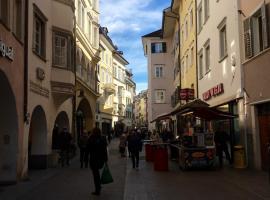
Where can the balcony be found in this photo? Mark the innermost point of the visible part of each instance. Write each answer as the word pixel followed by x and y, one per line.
pixel 62 83
pixel 109 88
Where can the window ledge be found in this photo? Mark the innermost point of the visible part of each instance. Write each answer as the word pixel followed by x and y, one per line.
pixel 39 56
pixel 209 70
pixel 223 58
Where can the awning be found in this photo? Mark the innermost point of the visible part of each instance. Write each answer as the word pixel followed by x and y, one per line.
pixel 163 116
pixel 197 103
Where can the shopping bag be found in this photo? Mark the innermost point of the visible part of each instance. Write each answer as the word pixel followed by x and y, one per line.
pixel 106 176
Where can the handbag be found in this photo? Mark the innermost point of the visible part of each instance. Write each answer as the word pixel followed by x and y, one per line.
pixel 106 176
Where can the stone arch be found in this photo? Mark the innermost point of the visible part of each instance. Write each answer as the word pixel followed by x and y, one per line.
pixel 61 122
pixel 37 141
pixel 84 117
pixel 8 132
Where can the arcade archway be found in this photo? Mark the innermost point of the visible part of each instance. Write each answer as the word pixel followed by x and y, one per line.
pixel 84 117
pixel 37 142
pixel 8 132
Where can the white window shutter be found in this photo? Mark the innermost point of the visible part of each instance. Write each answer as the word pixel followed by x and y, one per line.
pixel 248 38
pixel 264 27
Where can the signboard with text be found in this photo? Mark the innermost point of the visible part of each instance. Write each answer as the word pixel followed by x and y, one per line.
pixel 213 92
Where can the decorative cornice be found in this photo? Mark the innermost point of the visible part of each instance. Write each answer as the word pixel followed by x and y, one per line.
pixel 68 3
pixel 36 88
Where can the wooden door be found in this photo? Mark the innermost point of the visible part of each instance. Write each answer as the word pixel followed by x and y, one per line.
pixel 264 124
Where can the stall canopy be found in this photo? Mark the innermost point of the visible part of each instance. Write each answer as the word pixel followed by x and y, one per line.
pixel 198 108
pixel 201 109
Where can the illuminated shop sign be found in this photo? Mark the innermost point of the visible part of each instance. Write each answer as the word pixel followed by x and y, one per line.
pixel 213 92
pixel 6 51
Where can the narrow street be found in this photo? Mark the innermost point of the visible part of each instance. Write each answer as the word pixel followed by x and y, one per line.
pixel 146 184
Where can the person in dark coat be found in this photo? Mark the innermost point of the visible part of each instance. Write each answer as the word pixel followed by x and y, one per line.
pixel 97 147
pixel 65 143
pixel 135 146
pixel 221 138
pixel 83 140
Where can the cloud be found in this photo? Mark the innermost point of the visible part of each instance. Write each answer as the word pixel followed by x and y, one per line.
pixel 141 86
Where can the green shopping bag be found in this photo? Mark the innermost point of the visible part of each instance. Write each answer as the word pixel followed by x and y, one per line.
pixel 106 176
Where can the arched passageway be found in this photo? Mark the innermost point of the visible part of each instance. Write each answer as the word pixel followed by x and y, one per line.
pixel 61 122
pixel 37 142
pixel 8 132
pixel 84 117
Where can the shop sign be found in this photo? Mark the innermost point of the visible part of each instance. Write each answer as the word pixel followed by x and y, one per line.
pixel 187 94
pixel 6 51
pixel 213 92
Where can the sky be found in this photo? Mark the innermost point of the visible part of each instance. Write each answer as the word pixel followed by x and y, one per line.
pixel 127 21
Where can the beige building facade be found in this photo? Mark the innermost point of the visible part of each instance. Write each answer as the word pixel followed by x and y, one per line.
pixel 87 57
pixel 51 79
pixel 255 37
pixel 160 79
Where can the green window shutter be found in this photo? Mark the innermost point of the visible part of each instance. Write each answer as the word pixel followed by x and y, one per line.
pixel 164 49
pixel 248 38
pixel 264 27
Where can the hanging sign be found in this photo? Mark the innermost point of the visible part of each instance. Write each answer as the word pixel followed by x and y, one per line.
pixel 213 92
pixel 6 51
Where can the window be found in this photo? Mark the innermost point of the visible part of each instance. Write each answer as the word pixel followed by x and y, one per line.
pixel 158 71
pixel 4 11
pixel 79 12
pixel 207 57
pixel 200 20
pixel 18 19
pixel 186 29
pixel 114 71
pixel 191 18
pixel 223 39
pixel 39 43
pixel 256 33
pixel 95 39
pixel 159 47
pixel 191 55
pixel 187 64
pixel 200 64
pixel 206 10
pixel 62 50
pixel 89 30
pixel 82 23
pixel 160 96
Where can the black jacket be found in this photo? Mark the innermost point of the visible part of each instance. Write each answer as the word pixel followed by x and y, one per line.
pixel 134 143
pixel 97 148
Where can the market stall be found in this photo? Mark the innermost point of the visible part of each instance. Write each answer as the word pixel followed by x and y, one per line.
pixel 195 147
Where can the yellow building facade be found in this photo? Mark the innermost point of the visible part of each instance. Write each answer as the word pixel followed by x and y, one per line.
pixel 187 13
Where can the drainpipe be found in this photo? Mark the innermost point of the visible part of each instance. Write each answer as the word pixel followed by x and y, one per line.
pixel 242 78
pixel 25 99
pixel 196 57
pixel 74 71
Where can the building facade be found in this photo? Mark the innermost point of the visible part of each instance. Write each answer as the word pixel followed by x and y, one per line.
pixel 219 63
pixel 87 57
pixel 107 87
pixel 255 26
pixel 51 78
pixel 119 80
pixel 130 94
pixel 160 79
pixel 140 109
pixel 12 86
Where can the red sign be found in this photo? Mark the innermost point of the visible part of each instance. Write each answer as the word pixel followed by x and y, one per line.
pixel 187 94
pixel 215 91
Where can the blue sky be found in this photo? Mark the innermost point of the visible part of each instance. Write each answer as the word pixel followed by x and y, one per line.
pixel 127 21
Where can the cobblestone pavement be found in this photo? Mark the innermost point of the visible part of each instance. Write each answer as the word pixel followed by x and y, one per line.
pixel 74 183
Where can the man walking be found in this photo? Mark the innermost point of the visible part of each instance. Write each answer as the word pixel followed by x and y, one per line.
pixel 65 142
pixel 135 146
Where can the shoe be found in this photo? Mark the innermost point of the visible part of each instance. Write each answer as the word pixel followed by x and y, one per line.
pixel 96 193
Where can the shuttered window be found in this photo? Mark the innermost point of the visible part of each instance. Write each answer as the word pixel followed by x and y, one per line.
pixel 256 35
